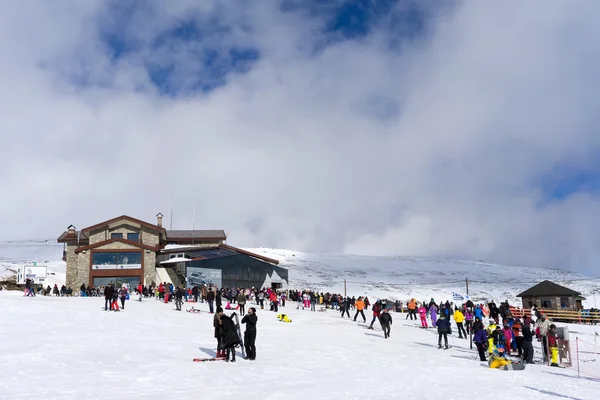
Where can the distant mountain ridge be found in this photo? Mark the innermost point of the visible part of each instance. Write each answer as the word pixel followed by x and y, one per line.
pixel 399 277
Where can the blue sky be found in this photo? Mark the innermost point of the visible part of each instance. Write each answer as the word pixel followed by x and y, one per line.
pixel 384 127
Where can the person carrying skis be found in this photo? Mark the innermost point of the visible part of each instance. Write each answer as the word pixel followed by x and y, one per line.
pixel 230 338
pixel 250 320
pixel 386 321
pixel 376 312
pixel 444 329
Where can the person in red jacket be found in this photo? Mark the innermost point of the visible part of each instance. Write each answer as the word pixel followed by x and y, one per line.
pixel 140 289
pixel 376 312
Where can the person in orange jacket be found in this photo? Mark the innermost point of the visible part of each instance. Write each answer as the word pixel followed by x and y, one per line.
pixel 360 306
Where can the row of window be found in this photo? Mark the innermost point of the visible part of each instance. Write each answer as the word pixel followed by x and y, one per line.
pixel 131 236
pixel 117 258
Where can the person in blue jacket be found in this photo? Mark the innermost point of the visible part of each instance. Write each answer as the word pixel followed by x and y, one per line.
pixel 443 325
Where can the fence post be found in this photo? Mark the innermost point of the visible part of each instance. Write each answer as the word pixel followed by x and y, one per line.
pixel 577 349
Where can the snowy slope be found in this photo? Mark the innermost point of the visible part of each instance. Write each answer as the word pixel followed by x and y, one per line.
pixel 146 352
pixel 377 277
pixel 420 277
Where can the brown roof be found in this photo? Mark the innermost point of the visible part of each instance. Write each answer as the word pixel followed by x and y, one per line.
pixel 125 241
pixel 127 218
pixel 547 288
pixel 65 237
pixel 236 249
pixel 174 235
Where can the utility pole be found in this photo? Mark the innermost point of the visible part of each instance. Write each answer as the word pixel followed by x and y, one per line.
pixel 467 282
pixel 345 288
pixel 171 220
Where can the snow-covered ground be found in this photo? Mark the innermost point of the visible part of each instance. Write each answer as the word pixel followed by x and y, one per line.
pixel 378 277
pixel 66 348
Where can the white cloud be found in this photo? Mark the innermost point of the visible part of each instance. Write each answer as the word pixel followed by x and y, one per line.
pixel 297 153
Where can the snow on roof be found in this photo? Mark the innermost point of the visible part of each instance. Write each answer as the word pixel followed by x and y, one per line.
pixel 175 260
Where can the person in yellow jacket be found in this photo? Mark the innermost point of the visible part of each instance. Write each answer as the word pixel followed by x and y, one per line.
pixel 360 306
pixel 490 329
pixel 459 319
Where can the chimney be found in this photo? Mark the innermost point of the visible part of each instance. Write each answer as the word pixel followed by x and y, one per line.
pixel 159 218
pixel 71 230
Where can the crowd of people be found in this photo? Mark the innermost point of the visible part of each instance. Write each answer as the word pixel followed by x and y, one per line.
pixel 505 334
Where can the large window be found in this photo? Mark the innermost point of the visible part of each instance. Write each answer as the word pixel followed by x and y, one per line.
pixel 117 260
pixel 116 235
pixel 134 237
pixel 133 281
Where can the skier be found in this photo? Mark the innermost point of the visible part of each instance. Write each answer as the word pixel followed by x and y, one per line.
pixel 386 321
pixel 444 329
pixel 250 320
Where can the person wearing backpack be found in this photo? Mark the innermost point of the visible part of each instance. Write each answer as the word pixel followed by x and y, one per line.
pixel 444 329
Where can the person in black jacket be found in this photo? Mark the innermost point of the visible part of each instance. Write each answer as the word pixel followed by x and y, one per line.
pixel 178 298
pixel 108 296
pixel 210 297
pixel 250 320
pixel 527 341
pixel 444 329
pixel 386 321
pixel 230 338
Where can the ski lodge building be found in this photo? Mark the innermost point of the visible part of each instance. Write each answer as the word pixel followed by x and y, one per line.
pixel 126 249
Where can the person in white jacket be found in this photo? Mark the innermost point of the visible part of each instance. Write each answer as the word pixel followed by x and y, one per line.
pixel 544 325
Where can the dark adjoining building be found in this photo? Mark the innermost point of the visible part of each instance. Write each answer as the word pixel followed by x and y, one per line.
pixel 126 249
pixel 551 296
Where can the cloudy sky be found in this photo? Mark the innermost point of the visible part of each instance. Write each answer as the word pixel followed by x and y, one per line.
pixel 468 129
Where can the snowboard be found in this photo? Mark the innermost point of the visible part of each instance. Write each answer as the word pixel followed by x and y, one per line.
pixel 239 332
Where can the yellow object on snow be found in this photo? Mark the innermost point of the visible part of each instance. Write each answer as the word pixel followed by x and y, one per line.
pixel 554 352
pixel 497 362
pixel 283 318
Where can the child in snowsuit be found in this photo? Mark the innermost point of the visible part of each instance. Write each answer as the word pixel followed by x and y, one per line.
pixel 498 360
pixel 507 338
pixel 499 341
pixel 491 329
pixel 444 329
pixel 423 315
pixel 386 321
